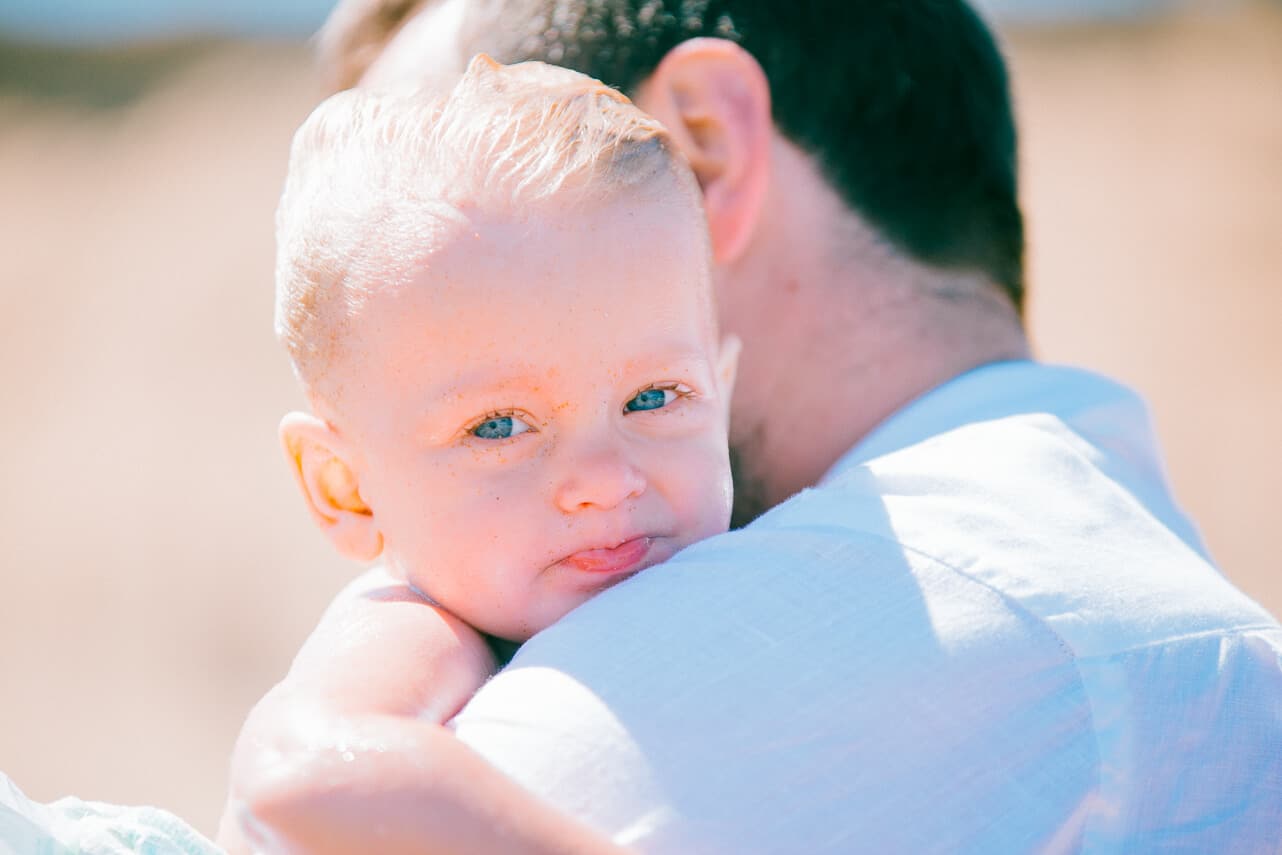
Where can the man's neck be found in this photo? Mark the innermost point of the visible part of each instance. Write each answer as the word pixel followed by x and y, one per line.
pixel 840 332
pixel 852 338
pixel 863 372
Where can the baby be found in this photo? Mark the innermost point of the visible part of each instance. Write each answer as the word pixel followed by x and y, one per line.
pixel 498 301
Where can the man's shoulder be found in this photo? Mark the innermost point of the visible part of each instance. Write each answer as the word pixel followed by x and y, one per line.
pixel 928 636
pixel 1075 529
pixel 795 673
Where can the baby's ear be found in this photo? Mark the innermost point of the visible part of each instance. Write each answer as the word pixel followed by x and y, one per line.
pixel 330 487
pixel 728 368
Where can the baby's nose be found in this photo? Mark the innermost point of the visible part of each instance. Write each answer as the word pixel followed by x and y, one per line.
pixel 603 480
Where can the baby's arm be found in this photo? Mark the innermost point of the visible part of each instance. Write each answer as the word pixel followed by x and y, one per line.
pixel 348 754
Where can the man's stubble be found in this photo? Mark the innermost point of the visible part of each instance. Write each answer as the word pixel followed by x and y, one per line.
pixel 749 489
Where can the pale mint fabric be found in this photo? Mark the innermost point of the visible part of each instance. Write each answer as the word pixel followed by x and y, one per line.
pixel 72 826
pixel 989 629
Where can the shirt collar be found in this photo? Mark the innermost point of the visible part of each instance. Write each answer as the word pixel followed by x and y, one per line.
pixel 993 391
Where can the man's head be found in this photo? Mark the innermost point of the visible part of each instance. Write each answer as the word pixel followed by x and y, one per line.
pixel 499 302
pixel 858 162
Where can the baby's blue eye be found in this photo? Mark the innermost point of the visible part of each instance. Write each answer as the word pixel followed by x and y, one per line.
pixel 650 399
pixel 500 427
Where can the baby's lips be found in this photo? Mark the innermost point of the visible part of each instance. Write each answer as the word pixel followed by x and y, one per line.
pixel 609 560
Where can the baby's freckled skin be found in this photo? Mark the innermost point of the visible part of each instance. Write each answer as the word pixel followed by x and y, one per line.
pixel 476 526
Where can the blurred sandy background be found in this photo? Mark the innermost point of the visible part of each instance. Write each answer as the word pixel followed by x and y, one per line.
pixel 158 568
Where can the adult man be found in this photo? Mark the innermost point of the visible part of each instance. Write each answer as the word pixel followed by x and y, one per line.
pixel 986 626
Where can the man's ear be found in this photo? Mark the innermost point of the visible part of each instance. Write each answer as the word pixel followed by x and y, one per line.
pixel 330 486
pixel 713 97
pixel 728 368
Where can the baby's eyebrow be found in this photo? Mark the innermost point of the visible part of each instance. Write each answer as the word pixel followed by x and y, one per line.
pixel 479 384
pixel 473 390
pixel 675 360
pixel 658 363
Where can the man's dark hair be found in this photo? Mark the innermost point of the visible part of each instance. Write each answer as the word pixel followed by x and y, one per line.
pixel 904 104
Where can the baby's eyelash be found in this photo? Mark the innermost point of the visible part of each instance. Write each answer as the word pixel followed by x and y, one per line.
pixel 468 429
pixel 492 414
pixel 681 389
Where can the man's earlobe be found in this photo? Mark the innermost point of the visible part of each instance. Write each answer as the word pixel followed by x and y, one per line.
pixel 330 486
pixel 713 97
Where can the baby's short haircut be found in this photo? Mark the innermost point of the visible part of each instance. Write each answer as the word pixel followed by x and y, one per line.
pixel 374 177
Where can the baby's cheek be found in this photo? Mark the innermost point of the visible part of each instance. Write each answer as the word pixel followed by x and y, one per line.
pixel 702 491
pixel 454 535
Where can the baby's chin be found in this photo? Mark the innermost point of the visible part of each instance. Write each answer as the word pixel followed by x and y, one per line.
pixel 549 613
pixel 572 581
pixel 541 619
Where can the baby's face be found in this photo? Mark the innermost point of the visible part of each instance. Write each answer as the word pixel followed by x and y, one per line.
pixel 539 415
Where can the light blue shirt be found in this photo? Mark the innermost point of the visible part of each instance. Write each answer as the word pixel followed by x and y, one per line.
pixel 988 629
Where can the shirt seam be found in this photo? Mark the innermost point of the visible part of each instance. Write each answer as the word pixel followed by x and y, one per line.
pixel 1011 603
pixel 1234 632
pixel 1019 608
pixel 1075 660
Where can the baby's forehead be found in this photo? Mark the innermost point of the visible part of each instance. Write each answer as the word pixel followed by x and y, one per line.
pixel 571 234
pixel 544 275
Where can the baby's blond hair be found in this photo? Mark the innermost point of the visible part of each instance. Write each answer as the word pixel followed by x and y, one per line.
pixel 374 177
